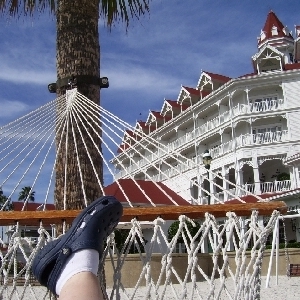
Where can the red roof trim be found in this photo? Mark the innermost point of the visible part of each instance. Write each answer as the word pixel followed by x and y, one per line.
pixel 294 66
pixel 30 206
pixel 192 90
pixel 272 20
pixel 136 190
pixel 218 76
pixel 253 199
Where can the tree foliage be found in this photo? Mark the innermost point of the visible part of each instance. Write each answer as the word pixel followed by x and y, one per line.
pixel 111 11
pixel 173 229
pixel 120 239
pixel 26 193
pixel 283 176
pixel 3 200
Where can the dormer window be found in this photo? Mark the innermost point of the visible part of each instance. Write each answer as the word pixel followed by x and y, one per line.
pixel 274 30
pixel 262 35
pixel 285 30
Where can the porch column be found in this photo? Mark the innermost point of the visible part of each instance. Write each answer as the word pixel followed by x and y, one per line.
pixel 257 190
pixel 239 180
pixel 225 184
pixel 212 188
pixel 294 176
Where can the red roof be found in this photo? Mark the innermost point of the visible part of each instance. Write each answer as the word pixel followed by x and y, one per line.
pixel 174 103
pixel 192 91
pixel 253 199
pixel 248 75
pixel 272 20
pixel 218 77
pixel 144 125
pixel 294 66
pixel 31 206
pixel 157 114
pixel 136 190
pixel 122 148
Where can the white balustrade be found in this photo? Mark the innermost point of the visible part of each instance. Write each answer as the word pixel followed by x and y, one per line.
pixel 262 138
pixel 242 140
pixel 275 186
pixel 266 105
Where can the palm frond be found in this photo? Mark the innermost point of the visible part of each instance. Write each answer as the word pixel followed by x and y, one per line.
pixel 122 10
pixel 18 8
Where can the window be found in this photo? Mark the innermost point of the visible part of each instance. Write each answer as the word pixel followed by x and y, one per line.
pixel 274 30
pixel 180 248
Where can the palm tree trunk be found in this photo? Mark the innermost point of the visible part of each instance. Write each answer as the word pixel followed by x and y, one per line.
pixel 78 53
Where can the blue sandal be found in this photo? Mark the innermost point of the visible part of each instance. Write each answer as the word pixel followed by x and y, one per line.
pixel 88 231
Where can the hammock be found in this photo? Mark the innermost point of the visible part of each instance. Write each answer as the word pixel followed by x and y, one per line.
pixel 28 156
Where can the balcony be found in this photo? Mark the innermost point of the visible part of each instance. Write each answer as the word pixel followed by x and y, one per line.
pixel 265 187
pixel 262 138
pixel 243 140
pixel 275 186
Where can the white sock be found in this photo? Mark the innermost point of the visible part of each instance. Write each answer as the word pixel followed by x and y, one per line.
pixel 86 260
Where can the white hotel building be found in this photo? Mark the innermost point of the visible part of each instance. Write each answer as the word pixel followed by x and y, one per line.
pixel 249 124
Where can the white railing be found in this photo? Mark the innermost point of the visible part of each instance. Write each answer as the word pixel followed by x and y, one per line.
pixel 275 186
pixel 222 149
pixel 249 188
pixel 266 105
pixel 242 140
pixel 240 109
pixel 263 106
pixel 262 138
pixel 224 117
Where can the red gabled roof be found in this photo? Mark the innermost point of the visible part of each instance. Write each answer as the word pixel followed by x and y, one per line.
pixel 174 103
pixel 192 91
pixel 272 20
pixel 248 75
pixel 31 206
pixel 129 133
pixel 218 77
pixel 122 148
pixel 158 115
pixel 136 190
pixel 144 125
pixel 294 66
pixel 253 199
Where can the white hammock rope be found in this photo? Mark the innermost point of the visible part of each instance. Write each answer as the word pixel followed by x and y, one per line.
pixel 28 156
pixel 247 259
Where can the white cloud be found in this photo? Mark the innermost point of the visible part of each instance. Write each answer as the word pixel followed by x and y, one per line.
pixel 26 75
pixel 10 108
pixel 138 78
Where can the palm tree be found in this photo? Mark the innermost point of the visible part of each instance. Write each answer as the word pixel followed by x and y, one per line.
pixel 26 194
pixel 3 200
pixel 78 54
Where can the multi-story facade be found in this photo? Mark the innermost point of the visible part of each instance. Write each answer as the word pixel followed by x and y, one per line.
pixel 250 125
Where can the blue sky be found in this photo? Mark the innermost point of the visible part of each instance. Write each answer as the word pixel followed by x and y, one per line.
pixel 159 53
pixel 163 50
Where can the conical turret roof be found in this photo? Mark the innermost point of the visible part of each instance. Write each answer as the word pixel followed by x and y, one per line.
pixel 273 29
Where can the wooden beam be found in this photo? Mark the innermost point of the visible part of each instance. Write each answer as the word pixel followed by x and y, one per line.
pixel 33 218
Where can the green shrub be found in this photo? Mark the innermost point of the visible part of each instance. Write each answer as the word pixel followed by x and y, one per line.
pixel 289 245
